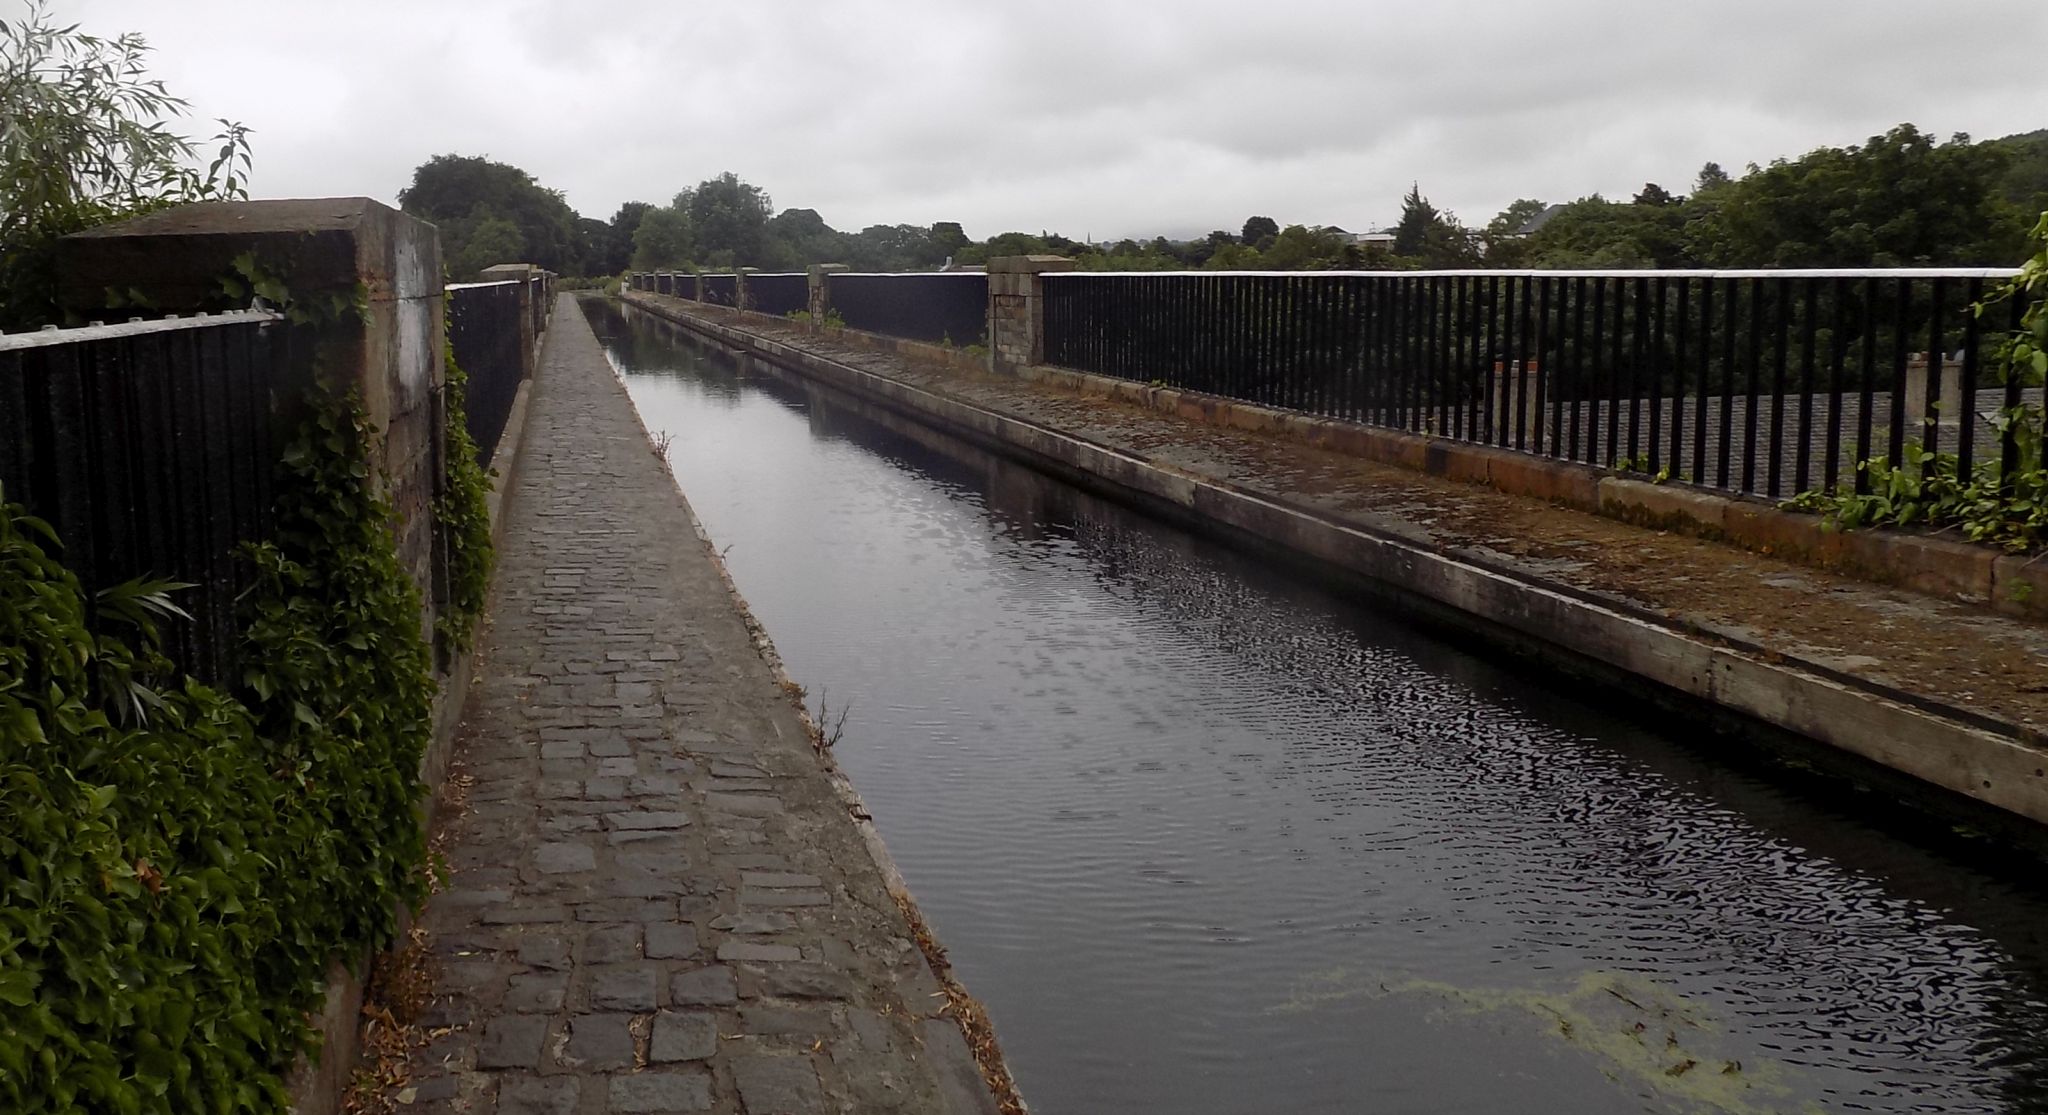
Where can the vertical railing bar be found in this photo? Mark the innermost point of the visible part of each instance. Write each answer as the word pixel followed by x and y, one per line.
pixel 1579 395
pixel 1896 443
pixel 1754 351
pixel 1679 366
pixel 1966 406
pixel 1837 345
pixel 1701 387
pixel 1653 448
pixel 1604 375
pixel 1865 420
pixel 1802 470
pixel 1781 345
pixel 1937 360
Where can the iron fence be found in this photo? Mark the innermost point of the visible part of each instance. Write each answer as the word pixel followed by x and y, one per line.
pixel 718 290
pixel 149 449
pixel 1765 382
pixel 484 332
pixel 779 294
pixel 943 307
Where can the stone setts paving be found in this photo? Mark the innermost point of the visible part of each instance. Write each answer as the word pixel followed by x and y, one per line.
pixel 658 900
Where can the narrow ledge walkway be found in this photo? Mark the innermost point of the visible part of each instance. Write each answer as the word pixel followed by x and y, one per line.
pixel 658 900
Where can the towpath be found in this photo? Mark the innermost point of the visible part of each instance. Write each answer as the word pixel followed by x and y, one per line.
pixel 660 898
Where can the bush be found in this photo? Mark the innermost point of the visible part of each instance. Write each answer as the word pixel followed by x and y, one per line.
pixel 184 864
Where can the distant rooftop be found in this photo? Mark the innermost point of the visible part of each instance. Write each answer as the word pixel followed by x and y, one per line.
pixel 1530 226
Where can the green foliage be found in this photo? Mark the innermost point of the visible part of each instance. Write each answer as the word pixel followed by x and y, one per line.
pixel 490 212
pixel 1593 232
pixel 2024 184
pixel 661 241
pixel 1258 230
pixel 832 319
pixel 183 866
pixel 2008 509
pixel 1897 200
pixel 84 139
pixel 1432 237
pixel 728 220
pixel 462 516
pixel 338 675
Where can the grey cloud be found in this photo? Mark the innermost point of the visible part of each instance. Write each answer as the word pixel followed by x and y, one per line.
pixel 1111 118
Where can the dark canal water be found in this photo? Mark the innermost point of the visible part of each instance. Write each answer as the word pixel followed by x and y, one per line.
pixel 1206 838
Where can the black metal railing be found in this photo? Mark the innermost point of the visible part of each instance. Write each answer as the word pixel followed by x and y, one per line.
pixel 1766 382
pixel 779 294
pixel 943 307
pixel 484 327
pixel 718 290
pixel 150 449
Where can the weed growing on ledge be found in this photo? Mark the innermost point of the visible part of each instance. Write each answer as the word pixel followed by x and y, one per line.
pixel 2008 509
pixel 831 320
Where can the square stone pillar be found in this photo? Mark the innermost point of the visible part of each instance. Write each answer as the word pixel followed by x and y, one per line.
pixel 368 278
pixel 1944 406
pixel 741 298
pixel 690 286
pixel 1016 309
pixel 819 296
pixel 1515 394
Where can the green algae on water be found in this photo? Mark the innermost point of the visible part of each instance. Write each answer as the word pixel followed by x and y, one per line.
pixel 1643 1036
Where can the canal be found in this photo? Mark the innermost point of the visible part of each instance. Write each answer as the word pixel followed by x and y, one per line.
pixel 1207 838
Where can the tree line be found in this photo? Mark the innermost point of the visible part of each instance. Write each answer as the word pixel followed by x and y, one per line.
pixel 1899 199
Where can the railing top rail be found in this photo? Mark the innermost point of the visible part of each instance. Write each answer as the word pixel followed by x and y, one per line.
pixel 1641 273
pixel 494 282
pixel 961 274
pixel 779 275
pixel 46 338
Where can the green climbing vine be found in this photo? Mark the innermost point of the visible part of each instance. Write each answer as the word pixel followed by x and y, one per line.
pixel 2004 508
pixel 183 863
pixel 463 516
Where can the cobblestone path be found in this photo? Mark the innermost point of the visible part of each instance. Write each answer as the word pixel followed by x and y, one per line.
pixel 659 902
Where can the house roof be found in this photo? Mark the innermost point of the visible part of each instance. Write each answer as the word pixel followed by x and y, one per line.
pixel 1539 220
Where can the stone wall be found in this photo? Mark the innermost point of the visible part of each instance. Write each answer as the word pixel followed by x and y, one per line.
pixel 364 278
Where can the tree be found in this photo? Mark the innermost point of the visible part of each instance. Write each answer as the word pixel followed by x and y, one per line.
pixel 729 220
pixel 1503 234
pixel 617 252
pixel 1710 176
pixel 2025 181
pixel 491 240
pixel 1595 232
pixel 460 193
pixel 1199 252
pixel 84 139
pixel 1653 194
pixel 949 237
pixel 662 240
pixel 1417 216
pixel 1258 230
pixel 1896 200
pixel 1433 237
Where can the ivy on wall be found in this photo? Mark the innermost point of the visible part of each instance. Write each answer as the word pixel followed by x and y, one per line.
pixel 462 515
pixel 183 864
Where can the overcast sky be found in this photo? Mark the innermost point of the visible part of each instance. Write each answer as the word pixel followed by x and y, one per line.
pixel 1101 117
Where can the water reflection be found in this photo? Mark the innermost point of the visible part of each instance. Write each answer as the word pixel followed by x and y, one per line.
pixel 1207 839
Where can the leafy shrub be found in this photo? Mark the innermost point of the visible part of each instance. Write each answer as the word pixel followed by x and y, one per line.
pixel 182 865
pixel 2009 509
